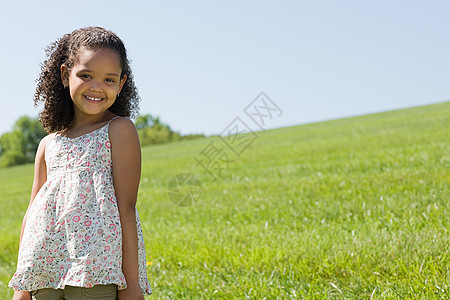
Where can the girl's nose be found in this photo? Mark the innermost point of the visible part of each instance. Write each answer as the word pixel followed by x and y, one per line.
pixel 95 86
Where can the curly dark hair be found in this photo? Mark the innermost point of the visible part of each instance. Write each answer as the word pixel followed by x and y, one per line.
pixel 57 114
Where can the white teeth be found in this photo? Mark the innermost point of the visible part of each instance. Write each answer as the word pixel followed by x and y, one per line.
pixel 93 99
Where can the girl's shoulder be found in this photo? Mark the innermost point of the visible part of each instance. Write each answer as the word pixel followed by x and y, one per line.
pixel 40 152
pixel 45 139
pixel 123 133
pixel 121 126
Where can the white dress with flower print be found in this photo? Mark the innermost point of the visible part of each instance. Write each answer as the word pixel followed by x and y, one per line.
pixel 73 234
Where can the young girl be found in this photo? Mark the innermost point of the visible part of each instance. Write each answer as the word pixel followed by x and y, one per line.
pixel 81 236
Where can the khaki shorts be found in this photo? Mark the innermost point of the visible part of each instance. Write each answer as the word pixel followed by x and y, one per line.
pixel 104 292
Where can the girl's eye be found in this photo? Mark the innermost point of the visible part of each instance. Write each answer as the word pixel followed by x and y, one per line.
pixel 86 76
pixel 110 80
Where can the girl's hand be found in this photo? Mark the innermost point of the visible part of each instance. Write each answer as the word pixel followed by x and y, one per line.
pixel 132 292
pixel 22 295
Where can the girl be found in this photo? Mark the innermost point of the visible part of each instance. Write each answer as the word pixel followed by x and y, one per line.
pixel 81 236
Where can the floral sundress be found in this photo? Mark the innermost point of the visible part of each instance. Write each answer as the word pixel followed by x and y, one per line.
pixel 73 234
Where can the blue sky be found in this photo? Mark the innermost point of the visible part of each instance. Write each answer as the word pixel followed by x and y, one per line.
pixel 198 64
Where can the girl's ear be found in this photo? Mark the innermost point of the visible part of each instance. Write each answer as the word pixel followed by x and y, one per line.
pixel 122 82
pixel 65 75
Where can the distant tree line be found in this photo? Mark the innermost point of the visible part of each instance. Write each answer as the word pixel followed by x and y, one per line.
pixel 152 131
pixel 19 146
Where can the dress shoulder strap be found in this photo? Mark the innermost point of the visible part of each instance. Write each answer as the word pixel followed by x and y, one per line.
pixel 112 119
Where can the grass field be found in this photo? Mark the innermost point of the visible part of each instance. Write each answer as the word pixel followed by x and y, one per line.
pixel 356 208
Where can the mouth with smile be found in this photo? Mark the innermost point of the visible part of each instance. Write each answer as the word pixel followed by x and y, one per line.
pixel 93 99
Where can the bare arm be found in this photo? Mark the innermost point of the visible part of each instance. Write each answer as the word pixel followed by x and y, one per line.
pixel 126 158
pixel 40 177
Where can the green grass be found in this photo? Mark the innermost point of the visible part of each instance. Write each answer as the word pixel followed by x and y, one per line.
pixel 355 208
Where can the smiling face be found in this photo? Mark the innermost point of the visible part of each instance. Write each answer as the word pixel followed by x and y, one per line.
pixel 94 81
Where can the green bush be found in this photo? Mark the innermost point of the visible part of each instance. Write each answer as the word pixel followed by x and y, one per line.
pixel 157 135
pixel 12 158
pixel 152 131
pixel 19 146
